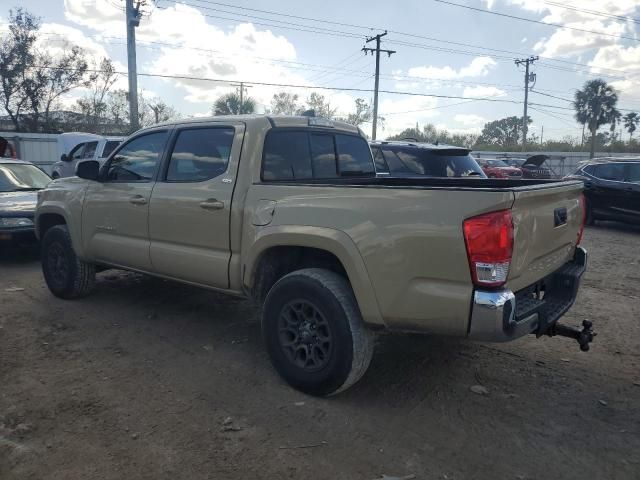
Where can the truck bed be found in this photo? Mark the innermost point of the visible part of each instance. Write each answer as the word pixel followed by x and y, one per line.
pixel 463 183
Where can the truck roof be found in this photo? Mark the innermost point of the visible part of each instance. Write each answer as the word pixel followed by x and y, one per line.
pixel 275 120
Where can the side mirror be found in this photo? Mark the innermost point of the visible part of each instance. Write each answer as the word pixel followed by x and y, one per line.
pixel 88 169
pixel 64 157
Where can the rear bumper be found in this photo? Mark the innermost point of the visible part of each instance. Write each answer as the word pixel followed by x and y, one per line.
pixel 502 315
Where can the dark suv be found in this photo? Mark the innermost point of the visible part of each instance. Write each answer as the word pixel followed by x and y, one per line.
pixel 612 189
pixel 414 159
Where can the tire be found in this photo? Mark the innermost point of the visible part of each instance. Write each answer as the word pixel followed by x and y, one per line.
pixel 340 347
pixel 65 274
pixel 588 216
pixel 55 175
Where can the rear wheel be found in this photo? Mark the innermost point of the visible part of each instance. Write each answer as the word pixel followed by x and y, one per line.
pixel 314 333
pixel 588 214
pixel 65 274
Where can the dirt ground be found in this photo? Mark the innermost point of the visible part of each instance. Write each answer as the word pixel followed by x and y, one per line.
pixel 147 379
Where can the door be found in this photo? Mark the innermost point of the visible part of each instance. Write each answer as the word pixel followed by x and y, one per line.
pixel 609 191
pixel 632 201
pixel 190 207
pixel 68 168
pixel 116 209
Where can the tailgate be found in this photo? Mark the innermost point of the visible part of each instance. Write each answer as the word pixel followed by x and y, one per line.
pixel 546 221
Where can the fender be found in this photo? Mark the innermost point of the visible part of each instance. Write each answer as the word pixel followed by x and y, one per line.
pixel 334 241
pixel 66 204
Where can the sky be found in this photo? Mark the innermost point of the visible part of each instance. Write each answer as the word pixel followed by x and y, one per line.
pixel 449 63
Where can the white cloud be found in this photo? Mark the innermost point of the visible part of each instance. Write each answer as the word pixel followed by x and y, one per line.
pixel 479 67
pixel 106 17
pixel 566 42
pixel 458 131
pixel 470 119
pixel 481 91
pixel 622 59
pixel 405 112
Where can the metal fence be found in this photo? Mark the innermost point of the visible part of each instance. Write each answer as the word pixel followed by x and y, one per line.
pixel 560 163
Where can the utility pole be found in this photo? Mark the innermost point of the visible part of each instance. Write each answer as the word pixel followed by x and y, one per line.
pixel 527 78
pixel 133 20
pixel 377 83
pixel 241 92
pixel 541 134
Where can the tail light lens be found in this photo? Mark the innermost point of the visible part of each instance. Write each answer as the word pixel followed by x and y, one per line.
pixel 583 207
pixel 489 241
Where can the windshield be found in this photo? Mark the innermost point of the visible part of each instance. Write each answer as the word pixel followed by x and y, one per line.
pixel 20 177
pixel 440 163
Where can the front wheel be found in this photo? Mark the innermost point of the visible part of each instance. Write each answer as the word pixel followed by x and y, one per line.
pixel 314 333
pixel 65 274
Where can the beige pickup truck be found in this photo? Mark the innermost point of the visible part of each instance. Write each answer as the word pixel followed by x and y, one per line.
pixel 289 211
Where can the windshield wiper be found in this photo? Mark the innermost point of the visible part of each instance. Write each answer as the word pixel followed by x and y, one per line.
pixel 26 189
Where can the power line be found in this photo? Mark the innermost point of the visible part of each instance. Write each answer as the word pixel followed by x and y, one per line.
pixel 431 108
pixel 592 12
pixel 556 25
pixel 286 25
pixel 395 32
pixel 233 82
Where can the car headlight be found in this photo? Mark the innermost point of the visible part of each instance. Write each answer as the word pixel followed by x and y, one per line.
pixel 16 222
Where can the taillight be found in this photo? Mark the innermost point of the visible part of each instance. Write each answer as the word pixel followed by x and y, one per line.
pixel 583 207
pixel 489 241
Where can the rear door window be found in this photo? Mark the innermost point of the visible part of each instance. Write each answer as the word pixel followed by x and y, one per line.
pixel 610 171
pixel 200 154
pixel 633 172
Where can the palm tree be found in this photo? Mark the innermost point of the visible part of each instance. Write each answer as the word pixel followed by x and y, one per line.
pixel 595 106
pixel 229 104
pixel 631 120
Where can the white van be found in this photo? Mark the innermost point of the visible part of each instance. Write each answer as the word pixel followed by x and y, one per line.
pixel 74 146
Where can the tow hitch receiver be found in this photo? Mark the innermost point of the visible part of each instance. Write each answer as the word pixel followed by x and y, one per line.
pixel 583 336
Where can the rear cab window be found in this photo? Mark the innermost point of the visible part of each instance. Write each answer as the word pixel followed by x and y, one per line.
pixel 305 154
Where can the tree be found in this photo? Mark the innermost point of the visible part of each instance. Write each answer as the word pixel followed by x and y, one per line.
pixel 94 106
pixel 117 103
pixel 284 103
pixel 16 59
pixel 505 133
pixel 161 112
pixel 229 104
pixel 595 106
pixel 631 120
pixel 320 106
pixel 363 114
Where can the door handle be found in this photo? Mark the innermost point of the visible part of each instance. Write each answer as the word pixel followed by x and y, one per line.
pixel 212 204
pixel 138 200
